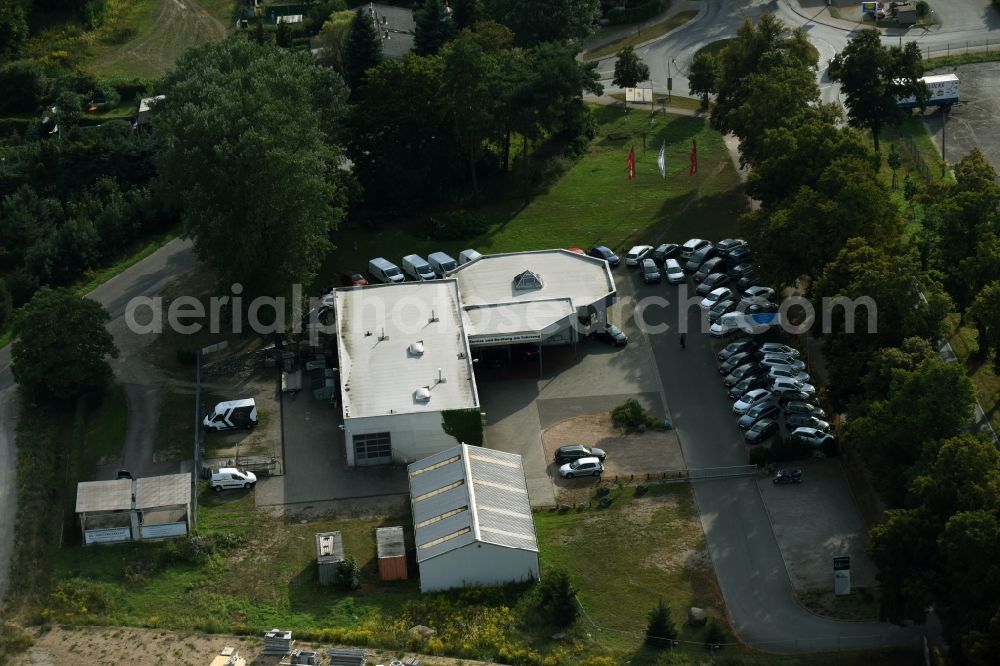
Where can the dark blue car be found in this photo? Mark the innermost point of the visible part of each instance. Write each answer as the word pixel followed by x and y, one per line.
pixel 605 253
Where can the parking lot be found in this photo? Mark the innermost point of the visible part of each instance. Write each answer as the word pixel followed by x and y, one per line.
pixel 971 122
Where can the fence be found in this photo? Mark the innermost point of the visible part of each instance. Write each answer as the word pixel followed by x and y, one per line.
pixel 688 474
pixel 919 162
pixel 960 48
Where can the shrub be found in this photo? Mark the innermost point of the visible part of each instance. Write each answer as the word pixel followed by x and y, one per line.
pixel 758 456
pixel 923 9
pixel 457 225
pixel 25 86
pixel 629 415
pixel 714 633
pixel 347 575
pixel 660 631
pixel 787 450
pixel 557 599
pixel 136 571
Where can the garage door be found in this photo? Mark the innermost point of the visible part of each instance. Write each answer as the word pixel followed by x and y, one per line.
pixel 373 448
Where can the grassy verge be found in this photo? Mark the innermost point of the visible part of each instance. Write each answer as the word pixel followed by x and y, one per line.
pixel 105 432
pixel 860 605
pixel 651 31
pixel 715 47
pixel 961 59
pixel 676 102
pixel 965 342
pixel 593 201
pixel 175 425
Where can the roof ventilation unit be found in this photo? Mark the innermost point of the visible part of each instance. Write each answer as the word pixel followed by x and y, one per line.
pixel 416 348
pixel 422 394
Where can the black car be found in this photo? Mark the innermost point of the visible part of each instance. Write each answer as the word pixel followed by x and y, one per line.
pixel 748 384
pixel 722 307
pixel 741 270
pixel 713 265
pixel 123 474
pixel 571 452
pixel 745 283
pixel 765 410
pixel 605 253
pixel 353 279
pixel 785 396
pixel 806 408
pixel 746 344
pixel 725 245
pixel 761 431
pixel 742 372
pixel 666 251
pixel 612 335
pixel 793 421
pixel 739 254
pixel 757 306
pixel 735 361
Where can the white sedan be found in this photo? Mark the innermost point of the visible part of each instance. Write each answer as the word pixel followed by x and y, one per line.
pixel 582 467
pixel 637 254
pixel 813 436
pixel 715 296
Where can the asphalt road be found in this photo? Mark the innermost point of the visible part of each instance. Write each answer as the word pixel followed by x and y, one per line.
pixel 147 277
pixel 748 564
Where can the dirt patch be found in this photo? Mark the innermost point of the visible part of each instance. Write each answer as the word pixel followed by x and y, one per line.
pixel 112 646
pixel 861 604
pixel 631 456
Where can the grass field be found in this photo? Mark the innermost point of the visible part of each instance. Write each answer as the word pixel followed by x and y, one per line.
pixel 593 202
pixel 648 32
pixel 960 59
pixel 965 342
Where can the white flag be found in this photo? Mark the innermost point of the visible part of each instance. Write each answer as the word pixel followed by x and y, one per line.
pixel 661 160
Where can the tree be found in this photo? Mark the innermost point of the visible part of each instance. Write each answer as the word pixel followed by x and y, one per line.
pixel 433 28
pixel 922 9
pixel 347 574
pixel 363 51
pixel 13 29
pixel 332 40
pixel 909 355
pixel 469 98
pixel 985 312
pixel 260 34
pixel 535 22
pixel 629 69
pixel 874 77
pixel 660 630
pixel 6 305
pixel 320 13
pixel 703 76
pixel 893 161
pixel 557 598
pixel 61 345
pixel 260 192
pixel 465 13
pixel 283 36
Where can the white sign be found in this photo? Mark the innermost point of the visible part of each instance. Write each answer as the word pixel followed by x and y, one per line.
pixel 501 339
pixel 842 575
pixel 164 530
pixel 644 95
pixel 113 535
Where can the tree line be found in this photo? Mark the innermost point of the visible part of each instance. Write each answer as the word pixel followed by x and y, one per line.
pixel 828 227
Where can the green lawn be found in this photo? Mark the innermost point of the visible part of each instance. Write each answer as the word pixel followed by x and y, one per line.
pixel 593 203
pixel 960 59
pixel 965 342
pixel 105 432
pixel 175 424
pixel 646 33
pixel 715 47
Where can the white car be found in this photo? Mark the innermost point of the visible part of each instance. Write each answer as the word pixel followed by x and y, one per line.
pixel 714 296
pixel 751 398
pixel 786 385
pixel 758 291
pixel 788 373
pixel 582 467
pixel 228 478
pixel 675 274
pixel 777 349
pixel 637 254
pixel 779 361
pixel 813 436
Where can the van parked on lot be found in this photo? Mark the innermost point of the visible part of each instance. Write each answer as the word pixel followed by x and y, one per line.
pixel 417 268
pixel 441 263
pixel 232 414
pixel 384 270
pixel 229 477
pixel 465 256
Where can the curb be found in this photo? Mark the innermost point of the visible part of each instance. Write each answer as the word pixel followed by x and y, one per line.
pixel 701 13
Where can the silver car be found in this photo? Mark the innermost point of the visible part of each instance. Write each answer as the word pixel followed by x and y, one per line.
pixel 788 373
pixel 582 467
pixel 750 399
pixel 784 385
pixel 776 361
pixel 778 349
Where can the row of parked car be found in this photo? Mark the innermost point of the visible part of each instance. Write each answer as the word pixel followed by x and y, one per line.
pixel 768 383
pixel 436 265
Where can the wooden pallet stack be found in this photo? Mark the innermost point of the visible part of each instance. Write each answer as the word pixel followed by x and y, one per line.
pixel 277 643
pixel 346 656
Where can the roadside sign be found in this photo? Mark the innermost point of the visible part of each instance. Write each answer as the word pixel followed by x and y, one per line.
pixel 842 575
pixel 842 563
pixel 639 95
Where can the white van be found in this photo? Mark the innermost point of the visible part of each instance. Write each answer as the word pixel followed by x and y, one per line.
pixel 417 268
pixel 228 478
pixel 232 414
pixel 384 270
pixel 465 256
pixel 441 263
pixel 692 246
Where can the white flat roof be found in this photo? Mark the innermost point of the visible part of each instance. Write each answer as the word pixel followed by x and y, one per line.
pixel 467 494
pixel 104 495
pixel 379 373
pixel 490 280
pixel 147 103
pixel 166 490
pixel 527 319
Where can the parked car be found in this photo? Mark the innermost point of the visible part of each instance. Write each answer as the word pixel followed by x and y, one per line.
pixel 612 335
pixel 751 398
pixel 779 361
pixel 417 268
pixel 637 254
pixel 605 253
pixel 813 436
pixel 441 263
pixel 765 410
pixel 693 245
pixel 576 250
pixel 742 372
pixel 582 467
pixel 571 452
pixel 695 261
pixel 666 251
pixel 721 308
pixel 748 384
pixel 747 281
pixel 746 344
pixel 228 478
pixel 807 408
pixel 783 477
pixel 759 292
pixel 675 274
pixel 735 361
pixel 709 266
pixel 739 254
pixel 757 306
pixel 352 279
pixel 465 256
pixel 727 244
pixel 385 271
pixel 123 474
pixel 713 281
pixel 776 348
pixel 723 328
pixel 806 421
pixel 650 271
pixel 788 373
pixel 741 270
pixel 232 414
pixel 716 295
pixel 761 431
pixel 783 384
pixel 786 396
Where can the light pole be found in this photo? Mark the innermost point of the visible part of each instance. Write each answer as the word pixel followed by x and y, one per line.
pixel 197 440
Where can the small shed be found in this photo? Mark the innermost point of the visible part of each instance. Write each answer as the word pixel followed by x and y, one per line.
pixel 105 510
pixel 329 551
pixel 164 505
pixel 391 553
pixel 154 507
pixel 146 106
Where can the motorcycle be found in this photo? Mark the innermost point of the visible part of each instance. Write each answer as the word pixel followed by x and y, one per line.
pixel 783 477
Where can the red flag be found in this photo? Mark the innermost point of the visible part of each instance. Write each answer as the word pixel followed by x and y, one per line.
pixel 694 157
pixel 631 162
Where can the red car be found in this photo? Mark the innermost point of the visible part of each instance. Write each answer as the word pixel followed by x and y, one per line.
pixel 576 249
pixel 352 279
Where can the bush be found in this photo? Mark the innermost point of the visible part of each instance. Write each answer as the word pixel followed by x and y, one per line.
pixel 25 87
pixel 758 456
pixel 660 632
pixel 631 416
pixel 923 9
pixel 347 575
pixel 557 599
pixel 458 225
pixel 714 633
pixel 6 305
pixel 787 450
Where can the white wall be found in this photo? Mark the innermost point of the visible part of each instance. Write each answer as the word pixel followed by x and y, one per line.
pixel 478 564
pixel 414 436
